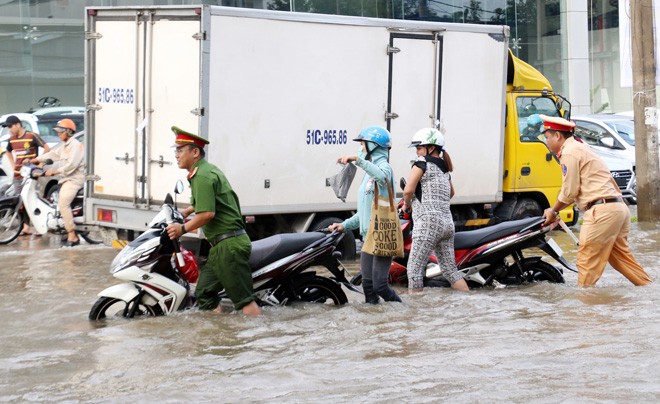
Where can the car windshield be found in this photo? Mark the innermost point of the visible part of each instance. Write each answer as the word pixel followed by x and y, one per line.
pixel 625 129
pixel 46 127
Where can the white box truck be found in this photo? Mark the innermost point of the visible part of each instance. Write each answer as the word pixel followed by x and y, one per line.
pixel 280 96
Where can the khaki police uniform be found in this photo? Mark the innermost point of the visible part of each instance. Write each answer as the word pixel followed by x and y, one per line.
pixel 606 223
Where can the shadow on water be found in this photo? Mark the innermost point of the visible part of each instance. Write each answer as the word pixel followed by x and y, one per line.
pixel 536 343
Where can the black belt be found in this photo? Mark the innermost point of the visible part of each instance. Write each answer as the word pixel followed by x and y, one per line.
pixel 604 200
pixel 214 241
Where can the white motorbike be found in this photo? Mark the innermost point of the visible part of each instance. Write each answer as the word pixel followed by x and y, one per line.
pixel 159 275
pixel 43 214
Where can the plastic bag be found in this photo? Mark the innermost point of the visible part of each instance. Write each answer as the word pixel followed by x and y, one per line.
pixel 341 182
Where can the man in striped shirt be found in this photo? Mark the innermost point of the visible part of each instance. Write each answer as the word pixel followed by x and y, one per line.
pixel 23 145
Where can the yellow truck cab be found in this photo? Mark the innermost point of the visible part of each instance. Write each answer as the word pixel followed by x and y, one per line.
pixel 532 174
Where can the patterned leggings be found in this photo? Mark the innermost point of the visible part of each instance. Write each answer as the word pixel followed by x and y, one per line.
pixel 431 232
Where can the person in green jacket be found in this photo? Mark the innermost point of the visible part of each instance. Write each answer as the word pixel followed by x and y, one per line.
pixel 218 213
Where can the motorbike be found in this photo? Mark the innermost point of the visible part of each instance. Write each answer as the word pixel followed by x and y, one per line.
pixel 160 275
pixel 491 256
pixel 43 214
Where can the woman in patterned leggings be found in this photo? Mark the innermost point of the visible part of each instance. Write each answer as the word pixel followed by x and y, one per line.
pixel 430 185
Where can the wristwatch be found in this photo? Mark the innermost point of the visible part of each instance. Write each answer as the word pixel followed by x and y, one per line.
pixel 554 212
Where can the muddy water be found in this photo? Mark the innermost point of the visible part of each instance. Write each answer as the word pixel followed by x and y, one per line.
pixel 539 343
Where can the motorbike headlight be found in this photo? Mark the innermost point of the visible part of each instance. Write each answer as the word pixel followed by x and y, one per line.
pixel 121 259
pixel 25 171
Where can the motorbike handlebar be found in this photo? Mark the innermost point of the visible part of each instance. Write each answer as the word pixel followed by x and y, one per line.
pixel 176 245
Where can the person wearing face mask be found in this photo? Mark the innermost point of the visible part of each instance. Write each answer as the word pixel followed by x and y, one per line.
pixel 428 192
pixel 373 158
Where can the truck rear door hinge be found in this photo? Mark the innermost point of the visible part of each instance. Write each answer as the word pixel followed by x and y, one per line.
pixel 392 49
pixel 94 107
pixel 142 179
pixel 93 35
pixel 200 36
pixel 198 111
pixel 391 115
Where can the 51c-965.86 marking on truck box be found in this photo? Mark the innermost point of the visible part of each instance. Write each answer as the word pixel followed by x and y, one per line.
pixel 329 136
pixel 116 95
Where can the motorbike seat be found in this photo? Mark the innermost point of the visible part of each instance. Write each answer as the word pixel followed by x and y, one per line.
pixel 471 238
pixel 273 248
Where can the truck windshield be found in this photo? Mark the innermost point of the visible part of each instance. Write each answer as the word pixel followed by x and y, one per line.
pixel 528 106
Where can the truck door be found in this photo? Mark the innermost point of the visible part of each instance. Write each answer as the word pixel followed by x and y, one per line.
pixel 413 95
pixel 536 167
pixel 145 77
pixel 434 79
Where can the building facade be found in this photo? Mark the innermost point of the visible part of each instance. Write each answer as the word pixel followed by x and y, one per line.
pixel 574 43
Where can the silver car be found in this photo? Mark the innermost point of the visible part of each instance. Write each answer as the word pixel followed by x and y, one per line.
pixel 613 138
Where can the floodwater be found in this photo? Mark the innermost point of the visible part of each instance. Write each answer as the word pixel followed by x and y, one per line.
pixel 541 343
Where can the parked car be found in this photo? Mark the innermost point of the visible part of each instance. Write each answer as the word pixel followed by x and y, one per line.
pixel 29 122
pixel 607 132
pixel 42 125
pixel 46 123
pixel 613 138
pixel 59 111
pixel 48 187
pixel 623 172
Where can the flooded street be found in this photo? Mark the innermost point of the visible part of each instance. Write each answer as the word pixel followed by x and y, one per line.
pixel 540 343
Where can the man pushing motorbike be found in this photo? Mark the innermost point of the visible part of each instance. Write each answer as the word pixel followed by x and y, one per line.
pixel 587 182
pixel 218 213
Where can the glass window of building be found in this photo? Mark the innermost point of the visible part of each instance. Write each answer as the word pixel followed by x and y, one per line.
pixel 42 42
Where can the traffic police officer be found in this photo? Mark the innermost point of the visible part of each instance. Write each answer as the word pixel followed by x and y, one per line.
pixel 218 212
pixel 588 182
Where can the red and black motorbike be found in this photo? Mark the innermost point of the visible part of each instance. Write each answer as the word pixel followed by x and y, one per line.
pixel 491 256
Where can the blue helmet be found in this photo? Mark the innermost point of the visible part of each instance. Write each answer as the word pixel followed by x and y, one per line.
pixel 534 120
pixel 377 135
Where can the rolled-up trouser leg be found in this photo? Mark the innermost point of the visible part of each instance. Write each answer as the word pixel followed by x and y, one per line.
pixel 68 191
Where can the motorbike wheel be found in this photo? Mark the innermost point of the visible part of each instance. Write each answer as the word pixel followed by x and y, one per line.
pixel 53 194
pixel 10 226
pixel 317 289
pixel 538 271
pixel 111 307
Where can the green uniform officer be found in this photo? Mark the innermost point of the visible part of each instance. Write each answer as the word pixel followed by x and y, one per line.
pixel 218 213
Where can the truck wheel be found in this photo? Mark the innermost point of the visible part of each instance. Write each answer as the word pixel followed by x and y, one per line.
pixel 347 244
pixel 526 207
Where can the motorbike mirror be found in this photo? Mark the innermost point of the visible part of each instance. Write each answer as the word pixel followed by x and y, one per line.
pixel 402 183
pixel 178 188
pixel 168 199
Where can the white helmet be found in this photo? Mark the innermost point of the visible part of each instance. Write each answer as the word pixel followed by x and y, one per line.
pixel 428 137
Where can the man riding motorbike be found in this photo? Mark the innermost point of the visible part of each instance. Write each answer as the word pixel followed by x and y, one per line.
pixel 72 155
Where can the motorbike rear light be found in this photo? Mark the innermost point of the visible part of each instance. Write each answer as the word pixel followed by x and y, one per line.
pixel 250 219
pixel 106 215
